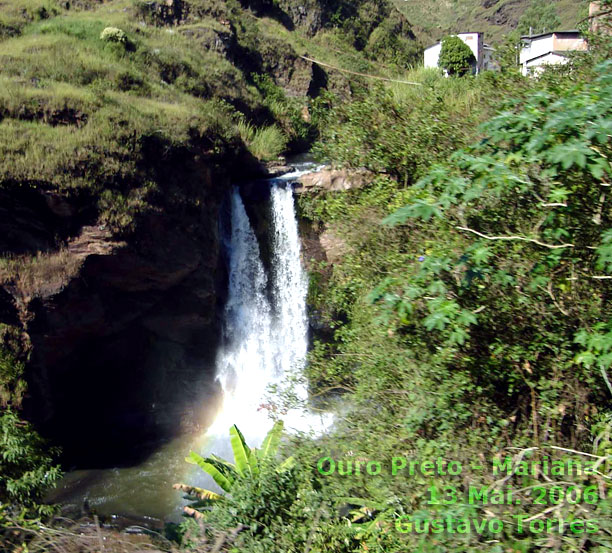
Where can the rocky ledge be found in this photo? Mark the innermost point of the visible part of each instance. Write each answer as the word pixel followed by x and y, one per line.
pixel 333 180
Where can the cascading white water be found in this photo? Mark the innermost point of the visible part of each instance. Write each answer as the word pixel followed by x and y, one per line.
pixel 290 284
pixel 245 363
pixel 264 341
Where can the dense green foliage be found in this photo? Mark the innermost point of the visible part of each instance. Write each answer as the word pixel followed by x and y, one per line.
pixel 456 57
pixel 400 130
pixel 26 465
pixel 471 325
pixel 27 468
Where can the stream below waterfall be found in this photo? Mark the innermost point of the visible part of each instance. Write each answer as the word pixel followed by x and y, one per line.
pixel 265 340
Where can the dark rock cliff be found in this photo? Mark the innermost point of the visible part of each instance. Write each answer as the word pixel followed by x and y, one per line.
pixel 119 332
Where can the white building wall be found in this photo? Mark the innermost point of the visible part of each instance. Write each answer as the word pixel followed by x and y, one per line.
pixel 535 67
pixel 536 47
pixel 561 43
pixel 474 40
pixel 539 51
pixel 431 55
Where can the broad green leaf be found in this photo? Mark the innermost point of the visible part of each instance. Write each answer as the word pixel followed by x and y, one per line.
pixel 599 167
pixel 558 194
pixel 481 255
pixel 458 336
pixel 437 320
pixel 254 462
pixel 601 131
pixel 223 482
pixel 242 453
pixel 569 154
pixel 419 209
pixel 604 251
pixel 228 466
pixel 605 360
pixel 466 318
pixel 436 288
pixel 585 358
pixel 225 468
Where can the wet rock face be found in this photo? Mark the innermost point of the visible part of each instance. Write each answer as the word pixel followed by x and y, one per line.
pixel 292 73
pixel 122 345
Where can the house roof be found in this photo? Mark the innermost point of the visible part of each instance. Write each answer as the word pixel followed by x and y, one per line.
pixel 574 32
pixel 556 52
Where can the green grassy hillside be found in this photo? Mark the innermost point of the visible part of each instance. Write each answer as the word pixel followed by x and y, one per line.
pixel 82 109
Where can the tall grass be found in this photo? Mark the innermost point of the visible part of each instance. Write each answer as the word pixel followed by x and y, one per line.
pixel 265 143
pixel 16 14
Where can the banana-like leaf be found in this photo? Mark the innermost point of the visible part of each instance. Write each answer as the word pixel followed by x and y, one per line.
pixel 223 482
pixel 287 464
pixel 227 464
pixel 193 513
pixel 242 453
pixel 270 444
pixel 200 493
pixel 226 469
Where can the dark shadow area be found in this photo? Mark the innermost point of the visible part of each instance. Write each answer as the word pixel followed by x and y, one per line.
pixel 116 398
pixel 33 220
pixel 319 81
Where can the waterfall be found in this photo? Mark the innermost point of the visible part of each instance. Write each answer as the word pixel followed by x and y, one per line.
pixel 265 326
pixel 245 363
pixel 264 343
pixel 290 284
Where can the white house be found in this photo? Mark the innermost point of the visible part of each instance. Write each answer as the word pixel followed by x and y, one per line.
pixel 482 52
pixel 548 48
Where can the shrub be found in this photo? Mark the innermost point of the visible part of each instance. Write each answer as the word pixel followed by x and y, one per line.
pixel 113 34
pixel 456 57
pixel 268 143
pixel 12 384
pixel 26 465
